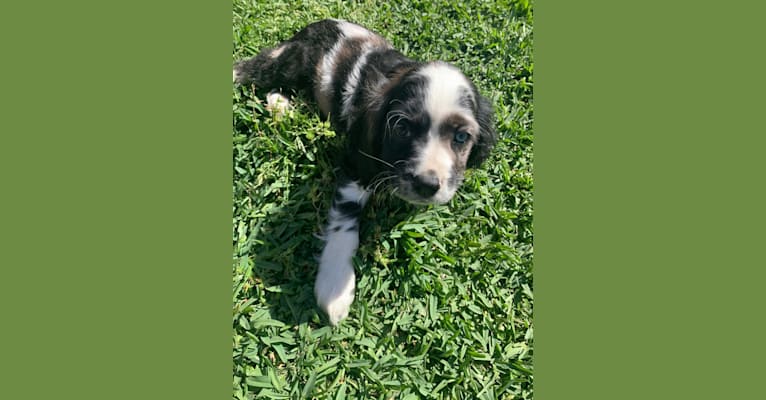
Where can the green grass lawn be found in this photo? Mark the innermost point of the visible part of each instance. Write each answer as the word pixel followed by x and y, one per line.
pixel 443 304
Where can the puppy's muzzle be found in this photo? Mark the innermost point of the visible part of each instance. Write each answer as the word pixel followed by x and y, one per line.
pixel 425 185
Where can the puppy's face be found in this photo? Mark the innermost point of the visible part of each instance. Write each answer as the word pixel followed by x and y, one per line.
pixel 435 126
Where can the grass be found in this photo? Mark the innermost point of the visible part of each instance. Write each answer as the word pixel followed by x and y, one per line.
pixel 443 303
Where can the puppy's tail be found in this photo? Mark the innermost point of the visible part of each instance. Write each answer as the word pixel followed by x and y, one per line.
pixel 249 71
pixel 281 67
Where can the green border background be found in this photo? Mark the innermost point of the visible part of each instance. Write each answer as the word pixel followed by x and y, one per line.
pixel 649 176
pixel 115 164
pixel 116 188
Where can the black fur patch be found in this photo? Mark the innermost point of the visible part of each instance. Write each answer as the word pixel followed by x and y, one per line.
pixel 349 209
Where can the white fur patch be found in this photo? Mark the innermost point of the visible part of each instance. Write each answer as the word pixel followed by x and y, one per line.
pixel 326 70
pixel 335 280
pixel 277 52
pixel 445 86
pixel 436 156
pixel 350 30
pixel 277 104
pixel 354 192
pixel 353 81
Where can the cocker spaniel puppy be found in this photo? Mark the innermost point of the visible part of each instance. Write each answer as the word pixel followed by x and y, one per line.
pixel 415 125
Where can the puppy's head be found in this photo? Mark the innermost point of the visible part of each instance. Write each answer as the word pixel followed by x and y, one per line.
pixel 433 125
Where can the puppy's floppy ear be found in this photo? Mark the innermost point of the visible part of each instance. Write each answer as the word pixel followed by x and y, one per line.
pixel 485 116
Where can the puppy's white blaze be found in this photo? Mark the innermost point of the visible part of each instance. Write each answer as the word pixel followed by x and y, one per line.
pixel 445 86
pixel 334 286
pixel 436 156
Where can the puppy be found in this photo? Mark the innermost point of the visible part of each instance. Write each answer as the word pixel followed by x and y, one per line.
pixel 412 125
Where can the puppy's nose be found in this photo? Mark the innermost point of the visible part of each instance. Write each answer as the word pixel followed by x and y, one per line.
pixel 426 184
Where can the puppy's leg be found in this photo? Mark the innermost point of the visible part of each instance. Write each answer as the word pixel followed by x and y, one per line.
pixel 335 281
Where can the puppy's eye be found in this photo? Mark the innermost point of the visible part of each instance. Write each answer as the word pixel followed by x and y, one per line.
pixel 461 137
pixel 401 128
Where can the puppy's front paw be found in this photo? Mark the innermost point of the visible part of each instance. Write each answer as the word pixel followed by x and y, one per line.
pixel 334 290
pixel 277 104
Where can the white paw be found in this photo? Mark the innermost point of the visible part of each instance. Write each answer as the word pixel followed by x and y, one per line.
pixel 334 290
pixel 278 104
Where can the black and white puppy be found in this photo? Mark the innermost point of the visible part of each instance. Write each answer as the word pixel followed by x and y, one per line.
pixel 415 126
